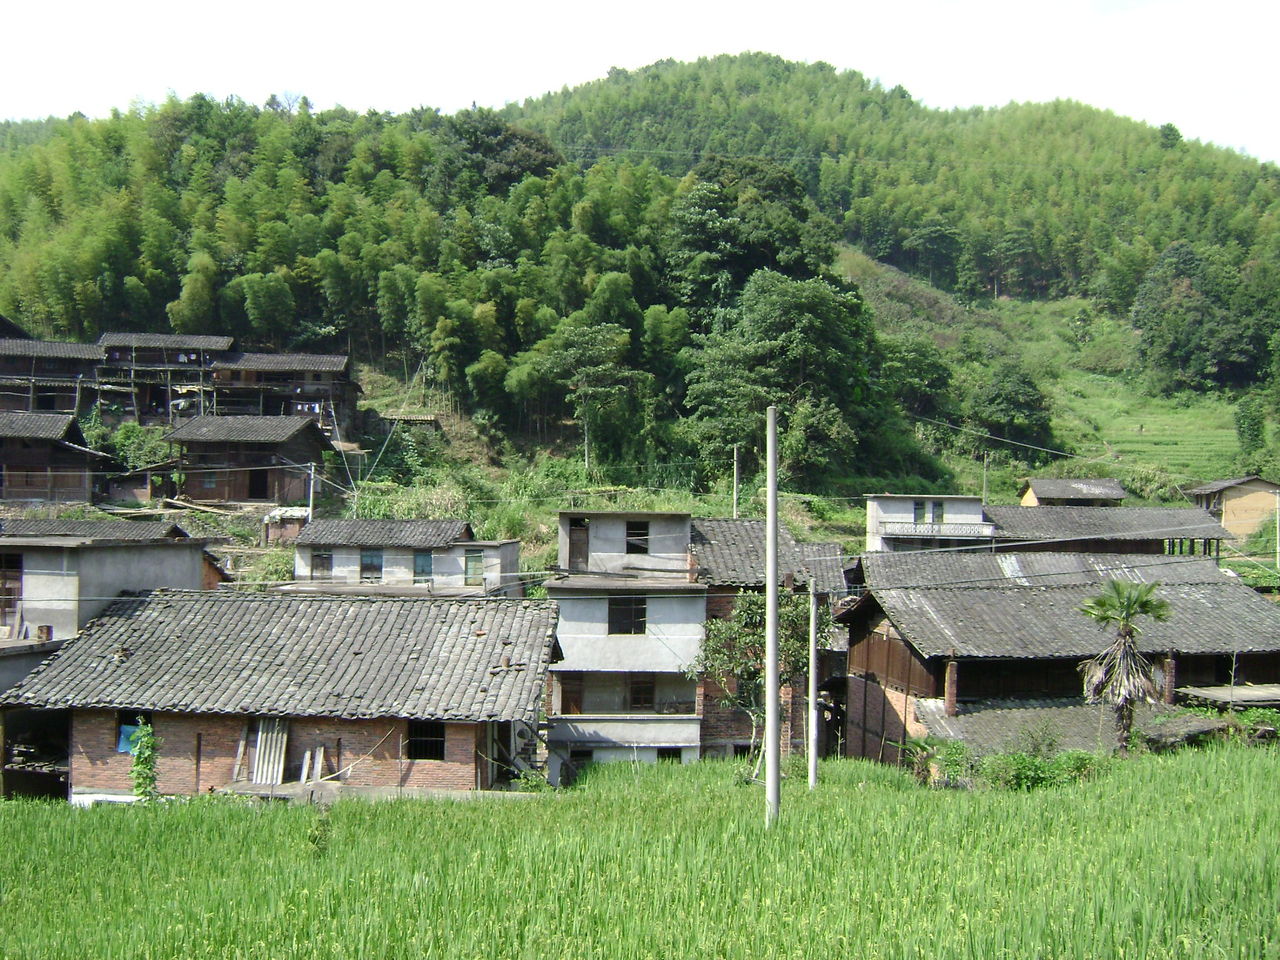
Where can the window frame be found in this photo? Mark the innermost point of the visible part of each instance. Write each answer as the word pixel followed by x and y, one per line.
pixel 469 578
pixel 367 557
pixel 425 739
pixel 630 615
pixel 418 575
pixel 637 536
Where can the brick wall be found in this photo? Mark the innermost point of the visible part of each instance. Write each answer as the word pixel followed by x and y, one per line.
pixel 876 718
pixel 373 749
pixel 724 727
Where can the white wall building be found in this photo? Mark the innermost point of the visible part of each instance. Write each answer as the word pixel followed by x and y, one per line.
pixel 898 522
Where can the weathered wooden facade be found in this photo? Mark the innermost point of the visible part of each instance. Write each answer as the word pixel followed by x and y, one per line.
pixel 957 631
pixel 248 458
pixel 43 456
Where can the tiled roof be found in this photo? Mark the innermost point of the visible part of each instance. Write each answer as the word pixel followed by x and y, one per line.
pixel 1100 488
pixel 168 341
pixel 824 563
pixel 312 362
pixel 1103 523
pixel 49 348
pixel 1216 485
pixel 93 529
pixel 420 534
pixel 279 655
pixel 37 426
pixel 1034 618
pixel 992 726
pixel 731 552
pixel 247 429
pixel 985 569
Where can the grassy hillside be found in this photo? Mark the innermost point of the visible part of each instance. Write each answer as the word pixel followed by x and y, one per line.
pixel 1158 859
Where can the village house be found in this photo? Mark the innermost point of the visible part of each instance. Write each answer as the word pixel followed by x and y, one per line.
pixel 44 456
pixel 897 523
pixel 979 646
pixel 635 593
pixel 45 376
pixel 1054 492
pixel 155 375
pixel 403 558
pixel 249 458
pixel 285 695
pixel 1242 505
pixel 312 385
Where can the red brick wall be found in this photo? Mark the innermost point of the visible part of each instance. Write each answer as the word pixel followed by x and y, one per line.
pixel 373 749
pixel 876 718
pixel 722 726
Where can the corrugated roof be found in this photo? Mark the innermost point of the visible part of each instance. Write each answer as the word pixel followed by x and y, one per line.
pixel 731 552
pixel 170 341
pixel 1099 488
pixel 420 534
pixel 37 426
pixel 313 362
pixel 279 655
pixel 1216 485
pixel 1103 523
pixel 49 348
pixel 946 569
pixel 246 429
pixel 1022 618
pixel 93 529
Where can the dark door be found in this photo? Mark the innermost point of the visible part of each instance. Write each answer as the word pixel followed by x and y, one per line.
pixel 259 484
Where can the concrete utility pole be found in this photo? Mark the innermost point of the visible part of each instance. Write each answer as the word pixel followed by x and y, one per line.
pixel 311 491
pixel 813 682
pixel 735 483
pixel 772 773
pixel 1277 533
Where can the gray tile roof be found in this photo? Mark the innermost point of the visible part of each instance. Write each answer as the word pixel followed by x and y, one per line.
pixel 994 726
pixel 731 552
pixel 1221 615
pixel 93 529
pixel 311 362
pixel 1103 523
pixel 278 655
pixel 49 348
pixel 247 429
pixel 420 534
pixel 1216 485
pixel 824 563
pixel 38 426
pixel 1100 488
pixel 985 569
pixel 168 341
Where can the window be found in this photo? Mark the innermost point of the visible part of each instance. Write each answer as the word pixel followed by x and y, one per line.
pixel 570 693
pixel 424 740
pixel 422 566
pixel 579 542
pixel 917 511
pixel 473 573
pixel 939 511
pixel 626 615
pixel 370 566
pixel 10 587
pixel 637 536
pixel 670 754
pixel 640 692
pixel 127 722
pixel 321 565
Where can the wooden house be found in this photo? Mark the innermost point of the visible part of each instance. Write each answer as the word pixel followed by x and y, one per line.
pixel 954 635
pixel 157 375
pixel 248 458
pixel 283 695
pixel 312 385
pixel 46 376
pixel 1241 505
pixel 43 456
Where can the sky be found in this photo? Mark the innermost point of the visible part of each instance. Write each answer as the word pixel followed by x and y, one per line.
pixel 1205 67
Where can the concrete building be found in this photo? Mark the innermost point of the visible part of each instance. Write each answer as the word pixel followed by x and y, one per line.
pixel 403 558
pixel 908 522
pixel 275 695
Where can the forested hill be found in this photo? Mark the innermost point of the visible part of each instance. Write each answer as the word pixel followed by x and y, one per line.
pixel 654 266
pixel 1025 200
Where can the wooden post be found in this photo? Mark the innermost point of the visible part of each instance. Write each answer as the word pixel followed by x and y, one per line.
pixel 949 689
pixel 1170 677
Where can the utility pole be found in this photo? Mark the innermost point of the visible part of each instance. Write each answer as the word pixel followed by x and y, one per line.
pixel 311 492
pixel 735 483
pixel 984 478
pixel 772 773
pixel 586 442
pixel 1277 535
pixel 813 682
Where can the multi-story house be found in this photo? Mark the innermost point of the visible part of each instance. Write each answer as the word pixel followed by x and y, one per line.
pixel 440 558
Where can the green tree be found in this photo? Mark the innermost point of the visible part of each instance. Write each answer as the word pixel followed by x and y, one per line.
pixel 1120 674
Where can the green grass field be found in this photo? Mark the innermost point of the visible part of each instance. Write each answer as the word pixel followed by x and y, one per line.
pixel 1164 857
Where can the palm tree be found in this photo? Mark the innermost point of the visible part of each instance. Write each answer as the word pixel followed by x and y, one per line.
pixel 1120 675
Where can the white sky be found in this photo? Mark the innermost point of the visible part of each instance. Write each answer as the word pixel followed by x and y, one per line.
pixel 1205 67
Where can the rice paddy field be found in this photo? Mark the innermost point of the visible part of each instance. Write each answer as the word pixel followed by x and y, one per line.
pixel 1168 856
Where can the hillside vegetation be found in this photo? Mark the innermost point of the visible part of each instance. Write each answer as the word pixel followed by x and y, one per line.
pixel 633 270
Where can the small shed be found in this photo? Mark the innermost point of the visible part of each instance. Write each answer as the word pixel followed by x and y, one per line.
pixel 1055 492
